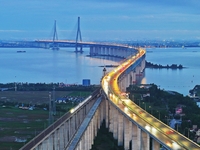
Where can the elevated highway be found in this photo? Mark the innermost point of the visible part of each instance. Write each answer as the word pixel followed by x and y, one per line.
pixel 132 127
pixel 142 122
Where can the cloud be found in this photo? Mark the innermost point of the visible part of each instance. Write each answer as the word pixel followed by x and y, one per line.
pixel 100 17
pixel 12 31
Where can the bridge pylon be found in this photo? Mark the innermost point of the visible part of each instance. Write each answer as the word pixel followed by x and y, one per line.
pixel 55 45
pixel 78 45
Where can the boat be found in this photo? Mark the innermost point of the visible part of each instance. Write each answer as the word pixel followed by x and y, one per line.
pixel 21 51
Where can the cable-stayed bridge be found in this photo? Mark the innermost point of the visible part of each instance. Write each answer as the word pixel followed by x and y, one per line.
pixel 132 127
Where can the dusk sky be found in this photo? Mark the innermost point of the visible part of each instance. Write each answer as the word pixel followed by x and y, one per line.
pixel 101 19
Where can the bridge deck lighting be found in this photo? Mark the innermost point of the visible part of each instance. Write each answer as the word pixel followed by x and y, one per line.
pixel 133 115
pixel 169 144
pixel 154 131
pixel 126 109
pixel 108 77
pixel 72 110
pixel 147 127
pixel 175 145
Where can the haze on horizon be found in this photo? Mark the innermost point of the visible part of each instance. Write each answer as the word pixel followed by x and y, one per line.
pixel 101 19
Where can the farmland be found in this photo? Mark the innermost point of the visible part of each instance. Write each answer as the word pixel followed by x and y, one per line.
pixel 18 126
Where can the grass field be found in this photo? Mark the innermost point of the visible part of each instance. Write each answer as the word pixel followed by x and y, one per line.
pixel 18 126
pixel 34 97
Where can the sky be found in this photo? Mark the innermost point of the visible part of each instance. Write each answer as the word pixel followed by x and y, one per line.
pixel 100 20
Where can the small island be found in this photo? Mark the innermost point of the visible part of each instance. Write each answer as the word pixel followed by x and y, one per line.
pixel 173 66
pixel 109 66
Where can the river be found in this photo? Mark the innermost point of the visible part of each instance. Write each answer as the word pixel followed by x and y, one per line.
pixel 44 65
pixel 180 80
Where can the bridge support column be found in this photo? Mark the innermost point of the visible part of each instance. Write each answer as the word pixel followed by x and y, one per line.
pixel 97 50
pixel 115 124
pixel 76 121
pixel 100 51
pixel 89 136
pixel 127 133
pixel 123 53
pixel 104 51
pixel 86 139
pixel 143 64
pixel 66 132
pixel 120 129
pixel 92 51
pixel 70 128
pixel 50 143
pixel 107 113
pixel 118 52
pixel 43 45
pixel 135 143
pixel 133 77
pixel 102 113
pixel 45 145
pixel 61 137
pixel 92 131
pixel 138 73
pixel 120 83
pixel 139 138
pixel 73 124
pixel 155 145
pixel 82 143
pixel 109 52
pixel 127 79
pixel 38 147
pixel 95 124
pixel 78 146
pixel 145 139
pixel 55 139
pixel 99 118
pixel 81 115
pixel 111 120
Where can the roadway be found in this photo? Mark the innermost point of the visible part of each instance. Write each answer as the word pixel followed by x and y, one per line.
pixel 158 130
pixel 86 44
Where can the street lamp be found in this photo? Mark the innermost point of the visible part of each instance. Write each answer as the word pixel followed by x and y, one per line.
pixel 167 120
pixel 177 126
pixel 158 114
pixel 188 134
pixel 144 105
pixel 150 109
pixel 190 123
pixel 139 101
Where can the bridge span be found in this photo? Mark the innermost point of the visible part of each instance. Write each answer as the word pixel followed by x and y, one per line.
pixel 133 127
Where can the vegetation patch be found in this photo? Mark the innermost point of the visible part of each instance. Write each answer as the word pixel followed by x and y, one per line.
pixel 19 124
pixel 105 140
pixel 168 106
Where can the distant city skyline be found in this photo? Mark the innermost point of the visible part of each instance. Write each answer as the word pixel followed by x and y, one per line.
pixel 101 20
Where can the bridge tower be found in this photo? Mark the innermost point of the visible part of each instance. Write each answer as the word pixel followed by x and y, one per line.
pixel 55 37
pixel 78 38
